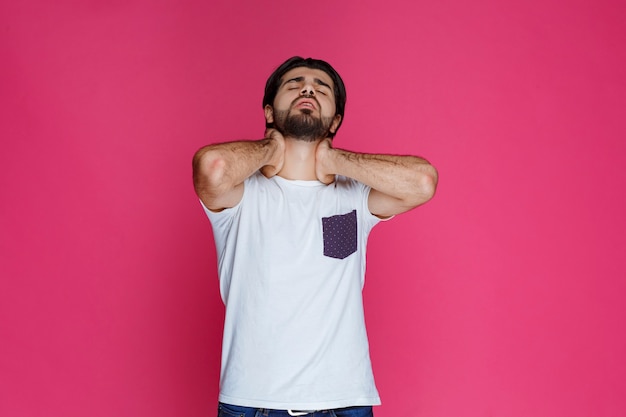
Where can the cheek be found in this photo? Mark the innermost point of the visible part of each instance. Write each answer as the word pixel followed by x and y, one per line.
pixel 329 107
pixel 284 100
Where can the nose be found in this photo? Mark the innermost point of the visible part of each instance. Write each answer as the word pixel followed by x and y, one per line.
pixel 307 90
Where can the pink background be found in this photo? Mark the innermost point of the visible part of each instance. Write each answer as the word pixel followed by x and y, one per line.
pixel 504 296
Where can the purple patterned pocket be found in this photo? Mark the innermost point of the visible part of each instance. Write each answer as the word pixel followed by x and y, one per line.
pixel 340 235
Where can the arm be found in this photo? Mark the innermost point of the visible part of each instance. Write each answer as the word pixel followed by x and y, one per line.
pixel 399 183
pixel 219 170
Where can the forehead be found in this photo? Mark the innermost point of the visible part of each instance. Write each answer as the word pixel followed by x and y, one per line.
pixel 305 73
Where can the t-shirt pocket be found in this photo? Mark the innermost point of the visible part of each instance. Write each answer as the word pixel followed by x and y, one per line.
pixel 340 235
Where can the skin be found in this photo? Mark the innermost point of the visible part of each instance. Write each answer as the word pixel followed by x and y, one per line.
pixel 399 183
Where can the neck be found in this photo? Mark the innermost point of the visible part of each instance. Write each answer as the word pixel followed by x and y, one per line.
pixel 299 163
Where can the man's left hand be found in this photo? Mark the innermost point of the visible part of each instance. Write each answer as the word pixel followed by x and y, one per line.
pixel 323 162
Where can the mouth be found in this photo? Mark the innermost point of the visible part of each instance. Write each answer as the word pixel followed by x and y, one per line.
pixel 306 103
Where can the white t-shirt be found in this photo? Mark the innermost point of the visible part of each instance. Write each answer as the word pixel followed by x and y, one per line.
pixel 291 262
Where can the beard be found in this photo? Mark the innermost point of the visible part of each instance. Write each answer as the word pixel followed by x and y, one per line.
pixel 302 125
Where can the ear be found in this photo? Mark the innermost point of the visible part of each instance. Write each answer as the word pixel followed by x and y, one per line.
pixel 269 113
pixel 335 123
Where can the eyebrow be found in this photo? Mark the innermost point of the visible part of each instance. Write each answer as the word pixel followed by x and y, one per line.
pixel 316 80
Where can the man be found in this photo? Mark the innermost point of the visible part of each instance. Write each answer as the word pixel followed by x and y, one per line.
pixel 291 215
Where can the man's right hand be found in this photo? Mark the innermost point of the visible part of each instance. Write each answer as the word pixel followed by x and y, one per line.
pixel 276 141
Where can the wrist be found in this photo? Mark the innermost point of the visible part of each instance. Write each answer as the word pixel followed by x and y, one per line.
pixel 326 156
pixel 269 147
pixel 333 160
pixel 272 158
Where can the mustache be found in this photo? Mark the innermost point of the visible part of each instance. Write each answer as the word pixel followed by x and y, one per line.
pixel 308 97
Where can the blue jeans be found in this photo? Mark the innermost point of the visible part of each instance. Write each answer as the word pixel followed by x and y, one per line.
pixel 227 410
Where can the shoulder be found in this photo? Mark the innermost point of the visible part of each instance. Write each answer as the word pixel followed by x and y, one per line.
pixel 349 185
pixel 257 181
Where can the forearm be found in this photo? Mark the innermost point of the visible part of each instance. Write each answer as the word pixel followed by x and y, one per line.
pixel 222 167
pixel 409 179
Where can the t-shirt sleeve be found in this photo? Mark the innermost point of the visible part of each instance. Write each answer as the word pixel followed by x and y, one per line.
pixel 222 221
pixel 369 220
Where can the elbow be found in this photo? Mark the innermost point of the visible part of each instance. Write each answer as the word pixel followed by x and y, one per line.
pixel 425 185
pixel 209 171
pixel 430 181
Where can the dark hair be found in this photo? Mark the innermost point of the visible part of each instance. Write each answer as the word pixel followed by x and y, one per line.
pixel 273 83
